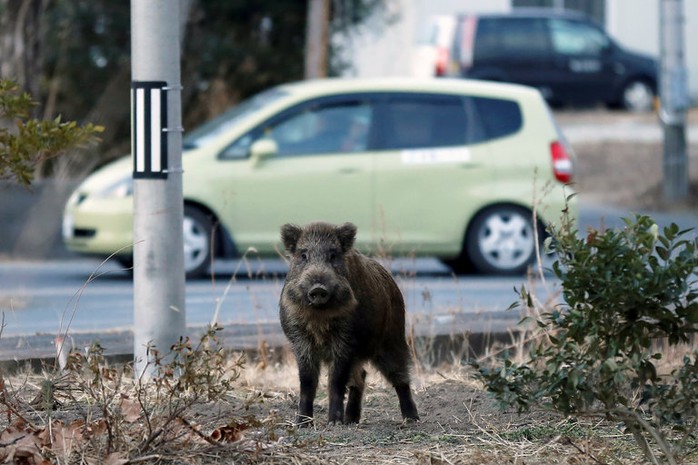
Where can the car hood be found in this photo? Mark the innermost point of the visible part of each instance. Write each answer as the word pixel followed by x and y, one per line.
pixel 107 174
pixel 113 172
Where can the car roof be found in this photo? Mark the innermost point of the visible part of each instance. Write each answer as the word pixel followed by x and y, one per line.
pixel 329 86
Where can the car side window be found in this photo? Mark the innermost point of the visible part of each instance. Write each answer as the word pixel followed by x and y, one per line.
pixel 419 122
pixel 336 127
pixel 241 147
pixel 328 128
pixel 576 38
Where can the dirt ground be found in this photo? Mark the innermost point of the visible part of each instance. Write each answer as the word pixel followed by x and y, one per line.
pixel 460 424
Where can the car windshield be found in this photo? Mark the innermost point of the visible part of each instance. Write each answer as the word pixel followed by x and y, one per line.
pixel 223 122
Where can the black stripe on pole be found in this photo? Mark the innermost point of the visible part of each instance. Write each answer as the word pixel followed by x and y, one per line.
pixel 148 124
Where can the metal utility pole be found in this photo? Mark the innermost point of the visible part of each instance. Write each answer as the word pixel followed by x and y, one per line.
pixel 317 38
pixel 156 133
pixel 674 99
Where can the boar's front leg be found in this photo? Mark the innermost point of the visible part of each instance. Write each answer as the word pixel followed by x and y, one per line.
pixel 337 385
pixel 309 373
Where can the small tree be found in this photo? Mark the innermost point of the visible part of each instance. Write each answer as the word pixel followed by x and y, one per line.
pixel 625 292
pixel 26 142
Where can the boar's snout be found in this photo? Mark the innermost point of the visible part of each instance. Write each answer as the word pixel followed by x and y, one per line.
pixel 318 294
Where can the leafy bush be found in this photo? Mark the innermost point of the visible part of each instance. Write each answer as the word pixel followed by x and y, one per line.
pixel 625 293
pixel 33 141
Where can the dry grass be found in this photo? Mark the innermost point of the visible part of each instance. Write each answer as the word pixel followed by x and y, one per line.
pixel 63 418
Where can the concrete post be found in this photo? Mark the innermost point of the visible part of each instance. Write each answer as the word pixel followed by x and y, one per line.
pixel 158 275
pixel 673 92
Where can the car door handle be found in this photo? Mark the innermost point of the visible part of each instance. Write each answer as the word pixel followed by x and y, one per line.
pixel 348 170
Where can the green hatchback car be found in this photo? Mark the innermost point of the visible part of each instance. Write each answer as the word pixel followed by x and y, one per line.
pixel 442 168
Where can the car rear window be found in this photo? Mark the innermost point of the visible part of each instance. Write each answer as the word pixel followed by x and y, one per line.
pixel 411 122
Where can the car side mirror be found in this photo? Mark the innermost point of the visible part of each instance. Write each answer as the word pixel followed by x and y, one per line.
pixel 262 149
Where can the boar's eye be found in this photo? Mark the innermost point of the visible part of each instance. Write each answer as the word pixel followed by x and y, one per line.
pixel 304 255
pixel 333 255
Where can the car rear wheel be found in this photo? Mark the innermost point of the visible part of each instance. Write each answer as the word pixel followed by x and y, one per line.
pixel 637 96
pixel 197 228
pixel 501 240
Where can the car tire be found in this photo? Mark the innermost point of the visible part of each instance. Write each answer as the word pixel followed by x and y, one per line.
pixel 637 96
pixel 197 230
pixel 501 240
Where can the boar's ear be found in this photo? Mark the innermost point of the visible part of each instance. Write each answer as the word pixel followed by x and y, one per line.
pixel 346 233
pixel 290 233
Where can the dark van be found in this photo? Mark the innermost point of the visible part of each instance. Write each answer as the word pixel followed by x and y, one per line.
pixel 567 57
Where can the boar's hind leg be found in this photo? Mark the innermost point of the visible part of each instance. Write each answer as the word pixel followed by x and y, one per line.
pixel 356 392
pixel 396 370
pixel 308 372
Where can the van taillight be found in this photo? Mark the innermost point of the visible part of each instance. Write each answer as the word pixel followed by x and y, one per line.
pixel 562 162
pixel 441 65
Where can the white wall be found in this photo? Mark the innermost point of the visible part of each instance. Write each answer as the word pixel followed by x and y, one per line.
pixel 635 24
pixel 386 50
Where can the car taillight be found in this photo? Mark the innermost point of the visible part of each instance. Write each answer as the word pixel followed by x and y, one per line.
pixel 562 162
pixel 441 65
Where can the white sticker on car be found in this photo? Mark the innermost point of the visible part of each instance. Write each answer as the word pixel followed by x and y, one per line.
pixel 433 156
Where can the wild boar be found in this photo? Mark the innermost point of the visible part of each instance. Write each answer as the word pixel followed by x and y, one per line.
pixel 343 309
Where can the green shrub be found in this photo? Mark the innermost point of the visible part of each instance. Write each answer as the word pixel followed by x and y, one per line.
pixel 625 292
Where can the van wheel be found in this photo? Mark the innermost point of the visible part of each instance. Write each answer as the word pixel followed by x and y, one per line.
pixel 501 240
pixel 637 96
pixel 197 228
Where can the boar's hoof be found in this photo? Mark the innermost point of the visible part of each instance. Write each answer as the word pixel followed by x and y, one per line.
pixel 303 421
pixel 318 295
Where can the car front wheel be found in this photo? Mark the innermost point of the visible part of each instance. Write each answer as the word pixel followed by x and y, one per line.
pixel 197 228
pixel 501 240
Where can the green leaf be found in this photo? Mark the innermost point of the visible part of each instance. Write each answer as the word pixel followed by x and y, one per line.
pixel 663 253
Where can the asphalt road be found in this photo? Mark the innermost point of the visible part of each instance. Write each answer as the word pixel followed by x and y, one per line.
pixel 88 300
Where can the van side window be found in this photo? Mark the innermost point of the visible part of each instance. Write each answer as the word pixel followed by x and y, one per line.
pixel 576 38
pixel 511 37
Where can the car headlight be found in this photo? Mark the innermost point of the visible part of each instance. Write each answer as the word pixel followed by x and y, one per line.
pixel 121 188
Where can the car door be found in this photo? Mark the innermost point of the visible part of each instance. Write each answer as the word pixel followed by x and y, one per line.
pixel 320 172
pixel 430 170
pixel 584 70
